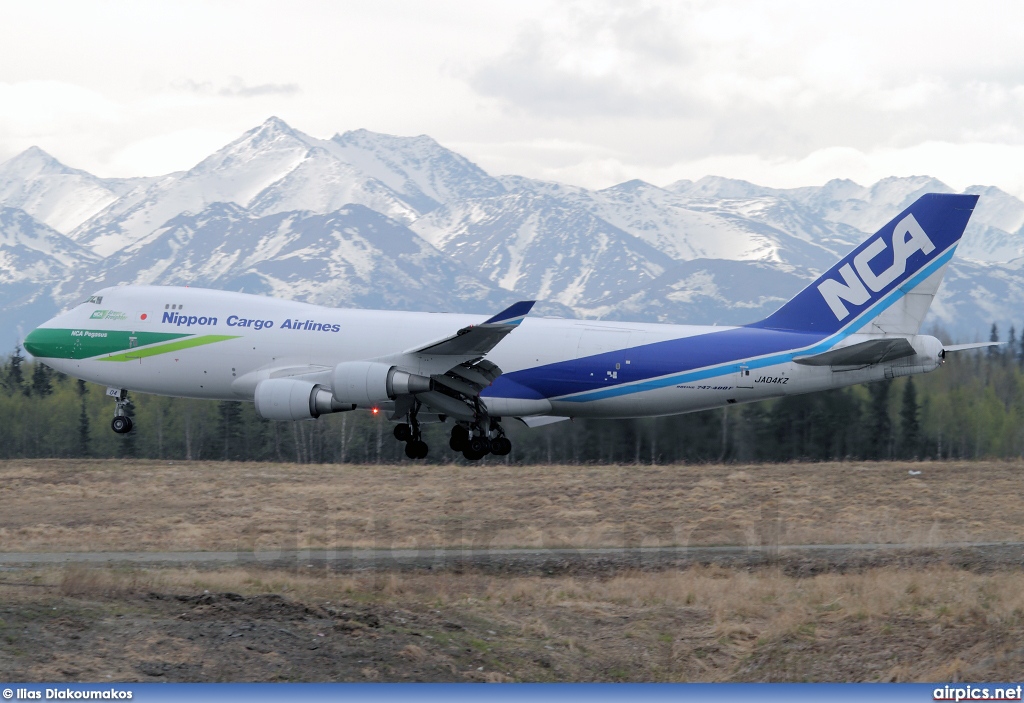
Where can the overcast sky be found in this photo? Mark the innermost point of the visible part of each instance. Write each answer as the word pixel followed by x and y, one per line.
pixel 779 93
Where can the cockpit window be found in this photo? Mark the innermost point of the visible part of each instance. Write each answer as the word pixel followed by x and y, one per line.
pixel 96 299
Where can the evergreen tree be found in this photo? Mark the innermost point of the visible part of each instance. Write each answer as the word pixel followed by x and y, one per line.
pixel 1020 355
pixel 230 430
pixel 1011 344
pixel 83 422
pixel 15 374
pixel 910 427
pixel 993 336
pixel 879 424
pixel 42 383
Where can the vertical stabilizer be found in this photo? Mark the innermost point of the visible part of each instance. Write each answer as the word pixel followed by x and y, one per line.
pixel 886 284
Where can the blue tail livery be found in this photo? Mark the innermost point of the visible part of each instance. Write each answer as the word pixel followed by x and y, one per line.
pixel 900 257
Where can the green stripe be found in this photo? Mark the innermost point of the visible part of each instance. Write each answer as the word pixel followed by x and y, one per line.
pixel 54 343
pixel 171 347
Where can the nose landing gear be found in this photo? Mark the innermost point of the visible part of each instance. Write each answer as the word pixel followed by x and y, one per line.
pixel 122 423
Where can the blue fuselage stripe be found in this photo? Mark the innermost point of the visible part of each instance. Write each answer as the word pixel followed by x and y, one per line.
pixel 701 356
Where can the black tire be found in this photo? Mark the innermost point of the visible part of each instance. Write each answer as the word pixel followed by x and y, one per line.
pixel 416 449
pixel 403 432
pixel 131 425
pixel 459 438
pixel 471 455
pixel 501 446
pixel 479 445
pixel 121 424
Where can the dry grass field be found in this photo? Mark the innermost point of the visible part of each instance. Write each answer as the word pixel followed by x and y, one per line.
pixel 64 505
pixel 702 624
pixel 921 621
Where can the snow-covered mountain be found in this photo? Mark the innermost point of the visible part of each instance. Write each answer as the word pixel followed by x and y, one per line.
pixel 352 256
pixel 373 220
pixel 542 247
pixel 36 265
pixel 713 291
pixel 32 251
pixel 272 166
pixel 421 170
pixel 52 193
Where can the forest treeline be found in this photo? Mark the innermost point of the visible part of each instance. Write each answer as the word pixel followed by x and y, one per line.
pixel 971 407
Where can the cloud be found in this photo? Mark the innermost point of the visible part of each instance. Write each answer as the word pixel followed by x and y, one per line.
pixel 127 135
pixel 588 92
pixel 605 63
pixel 237 88
pixel 35 108
pixel 779 80
pixel 172 151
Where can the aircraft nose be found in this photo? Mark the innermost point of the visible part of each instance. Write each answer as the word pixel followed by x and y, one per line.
pixel 40 343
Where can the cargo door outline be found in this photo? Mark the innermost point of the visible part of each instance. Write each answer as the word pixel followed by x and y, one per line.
pixel 743 378
pixel 133 343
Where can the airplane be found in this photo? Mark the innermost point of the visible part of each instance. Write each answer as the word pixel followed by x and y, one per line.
pixel 858 322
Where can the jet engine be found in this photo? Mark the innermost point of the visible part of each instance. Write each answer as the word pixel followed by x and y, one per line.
pixel 367 383
pixel 294 399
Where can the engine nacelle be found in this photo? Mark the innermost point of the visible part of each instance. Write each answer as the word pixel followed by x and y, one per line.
pixel 367 383
pixel 294 399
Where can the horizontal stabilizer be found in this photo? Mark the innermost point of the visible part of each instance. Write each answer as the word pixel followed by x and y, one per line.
pixel 874 351
pixel 975 345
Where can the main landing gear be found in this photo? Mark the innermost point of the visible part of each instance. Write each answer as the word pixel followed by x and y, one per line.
pixel 475 442
pixel 415 447
pixel 122 424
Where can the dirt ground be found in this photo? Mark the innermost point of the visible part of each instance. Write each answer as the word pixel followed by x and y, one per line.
pixel 55 505
pixel 703 624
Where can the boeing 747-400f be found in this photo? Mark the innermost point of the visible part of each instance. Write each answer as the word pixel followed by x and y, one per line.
pixel 857 323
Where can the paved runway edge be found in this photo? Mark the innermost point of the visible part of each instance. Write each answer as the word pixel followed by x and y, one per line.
pixel 802 558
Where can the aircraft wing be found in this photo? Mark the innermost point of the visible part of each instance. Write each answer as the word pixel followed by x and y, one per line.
pixel 477 340
pixel 457 367
pixel 873 351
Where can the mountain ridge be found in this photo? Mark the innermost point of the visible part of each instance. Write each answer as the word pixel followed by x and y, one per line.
pixel 351 220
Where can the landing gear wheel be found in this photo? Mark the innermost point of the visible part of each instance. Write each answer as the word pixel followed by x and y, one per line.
pixel 459 439
pixel 416 449
pixel 403 433
pixel 479 445
pixel 121 424
pixel 501 446
pixel 471 455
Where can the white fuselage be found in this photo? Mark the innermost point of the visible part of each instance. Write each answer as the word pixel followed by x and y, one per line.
pixel 230 341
